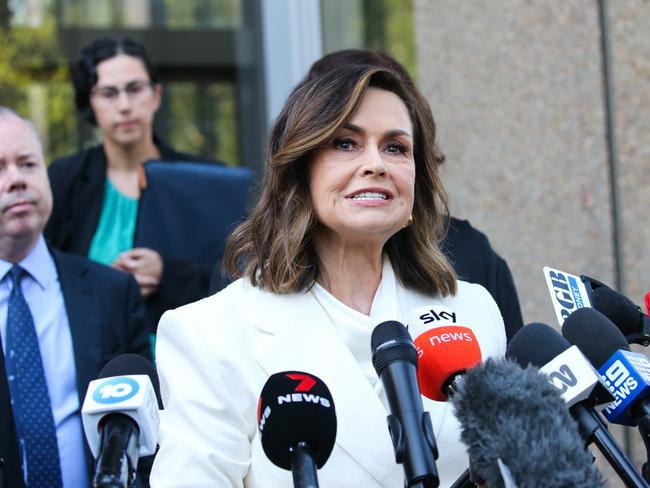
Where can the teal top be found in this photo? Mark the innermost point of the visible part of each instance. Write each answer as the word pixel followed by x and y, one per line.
pixel 116 226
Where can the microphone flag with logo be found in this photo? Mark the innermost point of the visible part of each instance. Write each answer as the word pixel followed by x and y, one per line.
pixel 296 408
pixel 120 418
pixel 127 385
pixel 626 373
pixel 445 349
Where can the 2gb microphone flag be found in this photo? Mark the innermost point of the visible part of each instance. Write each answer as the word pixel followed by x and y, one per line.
pixel 568 292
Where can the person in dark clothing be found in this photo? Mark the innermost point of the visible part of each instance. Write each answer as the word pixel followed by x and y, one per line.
pixel 474 260
pixel 96 191
pixel 468 249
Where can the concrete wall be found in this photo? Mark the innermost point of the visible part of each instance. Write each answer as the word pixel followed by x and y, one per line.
pixel 517 89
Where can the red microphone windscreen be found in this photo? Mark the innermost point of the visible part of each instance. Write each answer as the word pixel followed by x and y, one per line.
pixel 442 353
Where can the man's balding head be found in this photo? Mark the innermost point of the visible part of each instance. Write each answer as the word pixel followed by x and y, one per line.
pixel 25 193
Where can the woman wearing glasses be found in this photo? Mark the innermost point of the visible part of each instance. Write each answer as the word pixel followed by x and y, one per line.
pixel 96 191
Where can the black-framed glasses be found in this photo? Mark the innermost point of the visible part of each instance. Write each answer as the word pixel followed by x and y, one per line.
pixel 110 94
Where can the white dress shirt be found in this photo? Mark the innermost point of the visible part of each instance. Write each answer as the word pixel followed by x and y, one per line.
pixel 42 291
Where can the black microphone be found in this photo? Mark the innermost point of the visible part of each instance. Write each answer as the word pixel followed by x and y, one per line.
pixel 395 360
pixel 627 373
pixel 120 417
pixel 538 344
pixel 630 320
pixel 297 424
pixel 518 430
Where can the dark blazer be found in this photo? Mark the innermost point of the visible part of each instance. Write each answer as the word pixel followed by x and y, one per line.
pixel 78 184
pixel 474 260
pixel 107 318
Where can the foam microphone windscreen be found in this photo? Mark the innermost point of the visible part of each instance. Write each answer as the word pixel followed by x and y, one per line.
pixel 617 308
pixel 295 407
pixel 132 364
pixel 390 341
pixel 517 417
pixel 536 344
pixel 596 336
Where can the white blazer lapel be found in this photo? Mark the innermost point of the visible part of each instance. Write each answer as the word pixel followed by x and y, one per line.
pixel 307 341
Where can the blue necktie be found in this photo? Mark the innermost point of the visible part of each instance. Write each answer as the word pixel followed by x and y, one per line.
pixel 30 398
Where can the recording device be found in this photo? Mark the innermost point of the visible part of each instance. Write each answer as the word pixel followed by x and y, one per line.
pixel 395 360
pixel 445 350
pixel 518 430
pixel 120 418
pixel 540 345
pixel 570 293
pixel 297 423
pixel 631 321
pixel 566 366
pixel 626 373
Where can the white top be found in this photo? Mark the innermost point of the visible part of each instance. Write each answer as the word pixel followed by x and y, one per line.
pixel 215 355
pixel 355 327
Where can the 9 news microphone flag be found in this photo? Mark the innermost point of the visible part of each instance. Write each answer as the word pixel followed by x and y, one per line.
pixel 542 346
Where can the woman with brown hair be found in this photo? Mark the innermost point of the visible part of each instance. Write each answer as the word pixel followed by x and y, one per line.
pixel 343 237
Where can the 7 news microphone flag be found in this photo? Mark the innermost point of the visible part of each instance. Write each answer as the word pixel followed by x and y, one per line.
pixel 297 424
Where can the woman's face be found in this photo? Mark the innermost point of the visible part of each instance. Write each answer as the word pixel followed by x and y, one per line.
pixel 362 183
pixel 124 101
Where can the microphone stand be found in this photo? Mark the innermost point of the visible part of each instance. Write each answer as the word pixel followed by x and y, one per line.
pixel 593 429
pixel 464 481
pixel 303 467
pixel 644 430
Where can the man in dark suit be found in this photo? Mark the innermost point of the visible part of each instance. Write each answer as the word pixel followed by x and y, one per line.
pixel 62 318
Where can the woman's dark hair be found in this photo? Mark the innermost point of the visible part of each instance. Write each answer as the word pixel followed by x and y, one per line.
pixel 274 247
pixel 84 71
pixel 368 57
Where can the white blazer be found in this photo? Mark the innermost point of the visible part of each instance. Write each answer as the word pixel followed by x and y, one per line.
pixel 215 355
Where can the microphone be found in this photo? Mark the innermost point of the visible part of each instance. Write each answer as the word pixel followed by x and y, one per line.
pixel 395 360
pixel 540 345
pixel 570 293
pixel 518 430
pixel 297 424
pixel 120 418
pixel 445 352
pixel 566 366
pixel 631 321
pixel 626 373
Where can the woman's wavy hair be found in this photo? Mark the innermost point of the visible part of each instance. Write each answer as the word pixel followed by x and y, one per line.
pixel 274 247
pixel 84 71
